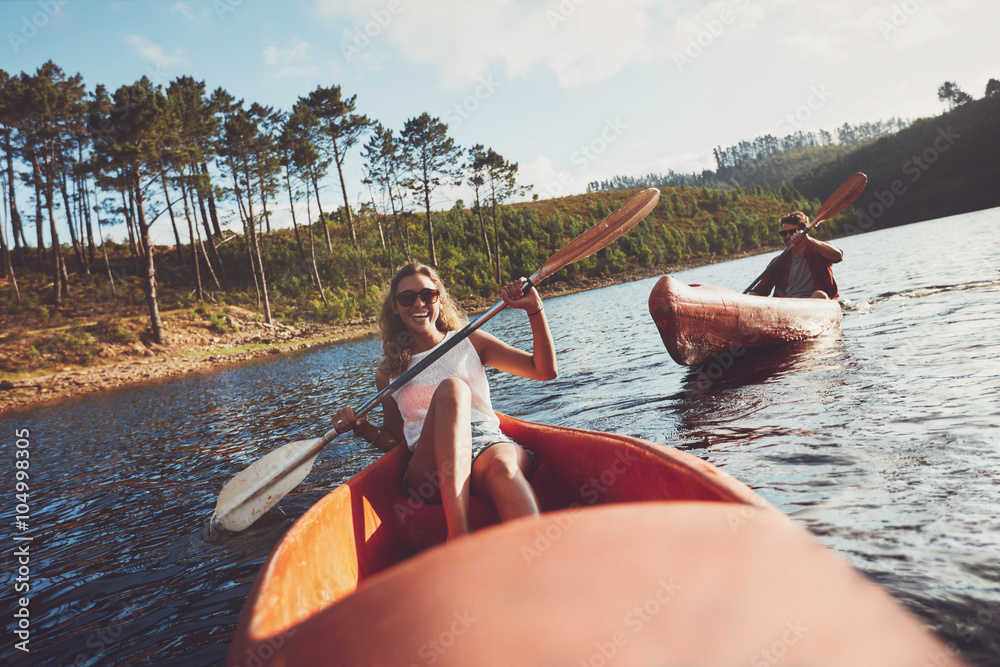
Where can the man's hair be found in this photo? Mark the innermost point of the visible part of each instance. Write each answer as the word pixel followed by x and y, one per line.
pixel 796 218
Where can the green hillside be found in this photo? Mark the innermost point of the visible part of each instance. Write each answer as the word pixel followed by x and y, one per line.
pixel 781 169
pixel 936 167
pixel 688 225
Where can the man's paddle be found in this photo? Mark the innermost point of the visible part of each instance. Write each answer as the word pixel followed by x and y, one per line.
pixel 837 202
pixel 259 487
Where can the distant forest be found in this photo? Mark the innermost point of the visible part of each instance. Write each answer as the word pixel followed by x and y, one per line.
pixel 917 170
pixel 766 160
pixel 96 158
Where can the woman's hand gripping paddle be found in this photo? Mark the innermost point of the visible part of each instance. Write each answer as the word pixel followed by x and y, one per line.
pixel 837 202
pixel 260 486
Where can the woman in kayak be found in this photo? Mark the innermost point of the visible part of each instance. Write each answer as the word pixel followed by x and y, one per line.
pixel 444 414
pixel 806 270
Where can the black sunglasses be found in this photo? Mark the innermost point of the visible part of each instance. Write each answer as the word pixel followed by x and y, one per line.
pixel 789 232
pixel 428 296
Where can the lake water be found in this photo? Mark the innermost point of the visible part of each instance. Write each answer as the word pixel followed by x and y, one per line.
pixel 883 441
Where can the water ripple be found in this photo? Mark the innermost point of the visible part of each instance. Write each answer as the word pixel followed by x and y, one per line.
pixel 881 440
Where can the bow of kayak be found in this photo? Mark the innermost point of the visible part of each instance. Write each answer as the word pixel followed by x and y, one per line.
pixel 644 555
pixel 699 322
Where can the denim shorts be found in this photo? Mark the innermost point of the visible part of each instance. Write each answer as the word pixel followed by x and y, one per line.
pixel 484 436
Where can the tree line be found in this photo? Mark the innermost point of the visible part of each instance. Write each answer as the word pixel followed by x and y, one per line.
pixel 939 166
pixel 950 93
pixel 768 145
pixel 92 158
pixel 208 162
pixel 746 163
pixel 769 160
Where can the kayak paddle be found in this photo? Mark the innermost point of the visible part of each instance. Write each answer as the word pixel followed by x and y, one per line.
pixel 260 486
pixel 837 202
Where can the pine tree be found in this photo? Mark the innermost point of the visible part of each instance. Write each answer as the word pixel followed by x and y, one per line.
pixel 130 145
pixel 342 128
pixel 478 166
pixel 431 158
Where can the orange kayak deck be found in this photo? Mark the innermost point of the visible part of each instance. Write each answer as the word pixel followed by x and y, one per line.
pixel 654 584
pixel 699 323
pixel 705 572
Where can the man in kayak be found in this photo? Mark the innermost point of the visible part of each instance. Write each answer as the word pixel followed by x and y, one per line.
pixel 806 270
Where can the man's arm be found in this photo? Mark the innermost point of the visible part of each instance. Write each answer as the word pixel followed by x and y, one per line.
pixel 825 250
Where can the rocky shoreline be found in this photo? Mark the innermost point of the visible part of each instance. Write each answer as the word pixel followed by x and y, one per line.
pixel 250 340
pixel 173 360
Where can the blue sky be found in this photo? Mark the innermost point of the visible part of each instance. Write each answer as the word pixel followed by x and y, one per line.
pixel 571 90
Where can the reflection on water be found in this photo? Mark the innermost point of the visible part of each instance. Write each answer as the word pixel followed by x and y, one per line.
pixel 880 439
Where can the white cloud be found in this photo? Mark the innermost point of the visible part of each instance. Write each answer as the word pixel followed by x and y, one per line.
pixel 197 15
pixel 464 40
pixel 587 42
pixel 578 51
pixel 824 46
pixel 156 54
pixel 545 178
pixel 460 39
pixel 296 53
pixel 296 60
pixel 843 29
pixel 714 21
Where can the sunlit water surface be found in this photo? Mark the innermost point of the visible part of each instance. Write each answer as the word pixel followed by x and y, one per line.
pixel 883 441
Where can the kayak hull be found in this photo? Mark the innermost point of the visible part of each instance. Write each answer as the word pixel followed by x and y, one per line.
pixel 366 525
pixel 699 323
pixel 645 554
pixel 647 584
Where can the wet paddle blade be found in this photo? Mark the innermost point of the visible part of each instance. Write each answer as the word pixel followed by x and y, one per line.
pixel 841 199
pixel 624 218
pixel 259 487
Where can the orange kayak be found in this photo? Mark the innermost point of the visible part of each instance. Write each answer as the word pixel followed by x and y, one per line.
pixel 645 555
pixel 701 323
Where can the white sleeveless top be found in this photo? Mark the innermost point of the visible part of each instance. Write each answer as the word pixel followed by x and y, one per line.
pixel 414 397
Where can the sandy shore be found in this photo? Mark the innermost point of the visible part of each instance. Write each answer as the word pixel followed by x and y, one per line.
pixel 187 353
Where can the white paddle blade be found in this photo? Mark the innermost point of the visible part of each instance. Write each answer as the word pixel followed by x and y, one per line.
pixel 260 486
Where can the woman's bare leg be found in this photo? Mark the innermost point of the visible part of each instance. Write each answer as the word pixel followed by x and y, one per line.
pixel 501 472
pixel 442 460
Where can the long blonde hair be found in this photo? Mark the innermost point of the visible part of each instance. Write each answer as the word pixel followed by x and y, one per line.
pixel 396 339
